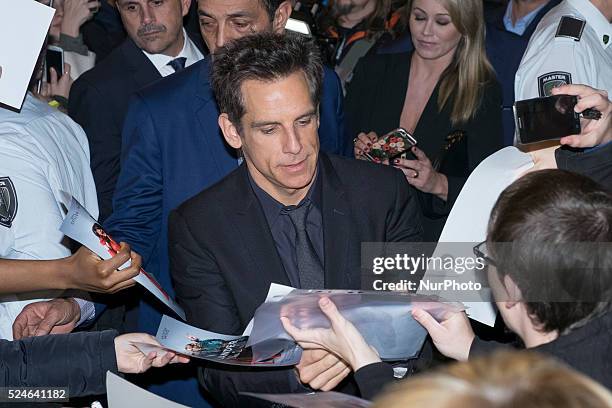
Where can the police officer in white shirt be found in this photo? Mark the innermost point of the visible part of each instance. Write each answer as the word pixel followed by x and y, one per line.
pixel 572 44
pixel 44 155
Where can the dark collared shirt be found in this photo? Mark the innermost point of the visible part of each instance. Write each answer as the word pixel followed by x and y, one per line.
pixel 283 231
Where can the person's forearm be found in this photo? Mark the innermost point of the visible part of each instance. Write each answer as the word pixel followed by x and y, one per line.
pixel 25 275
pixel 78 361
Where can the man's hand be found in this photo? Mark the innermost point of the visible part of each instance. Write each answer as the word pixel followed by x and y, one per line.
pixel 86 271
pixel 453 336
pixel 321 369
pixel 47 317
pixel 594 132
pixel 131 360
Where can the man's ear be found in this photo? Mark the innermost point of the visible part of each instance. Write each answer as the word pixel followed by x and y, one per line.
pixel 282 14
pixel 230 133
pixel 185 4
pixel 512 291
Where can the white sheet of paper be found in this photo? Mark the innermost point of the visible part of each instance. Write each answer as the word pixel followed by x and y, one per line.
pixel 467 221
pixel 121 393
pixel 23 28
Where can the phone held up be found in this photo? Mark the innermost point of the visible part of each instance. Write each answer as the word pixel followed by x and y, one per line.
pixel 391 145
pixel 54 59
pixel 548 118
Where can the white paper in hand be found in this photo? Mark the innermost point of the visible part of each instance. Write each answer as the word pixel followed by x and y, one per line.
pixel 83 228
pixel 23 28
pixel 121 393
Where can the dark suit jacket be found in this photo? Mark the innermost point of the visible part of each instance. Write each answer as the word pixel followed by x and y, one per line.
pixel 223 256
pixel 374 102
pixel 505 51
pixel 99 102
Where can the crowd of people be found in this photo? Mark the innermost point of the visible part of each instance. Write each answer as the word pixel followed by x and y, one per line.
pixel 237 156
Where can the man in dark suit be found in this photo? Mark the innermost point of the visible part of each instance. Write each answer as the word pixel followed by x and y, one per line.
pixel 172 145
pixel 99 98
pixel 290 214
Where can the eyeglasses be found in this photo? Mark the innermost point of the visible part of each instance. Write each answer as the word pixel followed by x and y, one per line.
pixel 481 251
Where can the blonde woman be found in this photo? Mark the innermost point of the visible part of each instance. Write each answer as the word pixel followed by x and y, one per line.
pixel 445 85
pixel 517 379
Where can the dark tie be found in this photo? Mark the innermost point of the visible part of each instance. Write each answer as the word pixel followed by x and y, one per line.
pixel 178 64
pixel 308 263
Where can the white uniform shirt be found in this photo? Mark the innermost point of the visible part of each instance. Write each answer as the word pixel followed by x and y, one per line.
pixel 189 51
pixel 42 154
pixel 552 60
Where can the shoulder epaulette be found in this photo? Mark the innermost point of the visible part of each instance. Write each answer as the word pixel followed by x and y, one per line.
pixel 570 27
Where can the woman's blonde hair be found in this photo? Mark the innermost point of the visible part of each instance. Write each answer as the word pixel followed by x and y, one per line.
pixel 502 380
pixel 464 79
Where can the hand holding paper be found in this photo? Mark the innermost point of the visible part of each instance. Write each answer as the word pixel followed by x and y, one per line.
pixel 342 338
pixel 452 336
pixel 82 227
pixel 131 359
pixel 85 271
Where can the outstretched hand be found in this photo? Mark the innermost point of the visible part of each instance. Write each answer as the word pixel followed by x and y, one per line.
pixel 131 360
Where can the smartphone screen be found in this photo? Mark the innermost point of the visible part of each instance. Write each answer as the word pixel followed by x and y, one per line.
pixel 546 118
pixel 54 59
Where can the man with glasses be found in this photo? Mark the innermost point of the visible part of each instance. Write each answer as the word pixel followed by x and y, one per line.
pixel 550 269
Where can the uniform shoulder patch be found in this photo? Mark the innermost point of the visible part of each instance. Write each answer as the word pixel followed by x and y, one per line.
pixel 552 80
pixel 570 27
pixel 8 202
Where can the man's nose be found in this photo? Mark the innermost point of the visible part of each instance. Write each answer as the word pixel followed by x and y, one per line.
pixel 221 36
pixel 292 143
pixel 147 15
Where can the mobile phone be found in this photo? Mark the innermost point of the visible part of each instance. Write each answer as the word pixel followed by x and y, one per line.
pixel 547 118
pixel 54 59
pixel 391 145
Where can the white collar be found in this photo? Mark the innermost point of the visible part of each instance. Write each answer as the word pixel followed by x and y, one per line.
pixel 189 51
